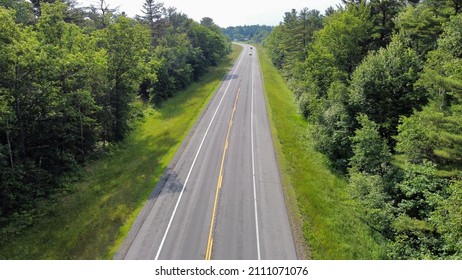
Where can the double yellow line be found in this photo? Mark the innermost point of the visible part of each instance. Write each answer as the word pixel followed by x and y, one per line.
pixel 208 252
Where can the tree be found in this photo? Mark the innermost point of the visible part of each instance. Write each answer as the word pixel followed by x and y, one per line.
pixel 273 46
pixel 212 43
pixel 153 13
pixel 346 35
pixel 174 72
pixel 454 6
pixel 457 5
pixel 209 23
pixel 374 203
pixel 452 36
pixel 448 220
pixel 333 128
pixel 38 5
pixel 298 31
pixel 384 11
pixel 79 70
pixel 432 135
pixel 23 8
pixel 254 33
pixel 416 136
pixel 26 99
pixel 441 75
pixel 439 129
pixel 371 154
pixel 127 45
pixel 382 86
pixel 100 14
pixel 184 53
pixel 8 34
pixel 419 28
pixel 338 48
pixel 416 198
pixel 21 62
pixel 67 88
pixel 291 39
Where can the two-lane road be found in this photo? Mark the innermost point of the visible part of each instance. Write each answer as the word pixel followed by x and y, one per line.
pixel 221 198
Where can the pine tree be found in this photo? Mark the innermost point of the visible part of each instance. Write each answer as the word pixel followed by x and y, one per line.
pixel 153 14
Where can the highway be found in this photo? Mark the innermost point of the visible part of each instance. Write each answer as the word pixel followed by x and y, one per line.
pixel 221 197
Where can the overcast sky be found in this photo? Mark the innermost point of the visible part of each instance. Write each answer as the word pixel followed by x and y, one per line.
pixel 227 13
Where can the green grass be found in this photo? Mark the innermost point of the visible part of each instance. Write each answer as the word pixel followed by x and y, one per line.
pixel 93 221
pixel 324 211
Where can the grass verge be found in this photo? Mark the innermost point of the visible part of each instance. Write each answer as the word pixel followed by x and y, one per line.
pixel 324 210
pixel 93 221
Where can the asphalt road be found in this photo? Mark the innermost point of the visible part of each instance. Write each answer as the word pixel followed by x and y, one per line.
pixel 221 197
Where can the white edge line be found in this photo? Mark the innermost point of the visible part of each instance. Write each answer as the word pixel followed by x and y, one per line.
pixel 253 165
pixel 194 162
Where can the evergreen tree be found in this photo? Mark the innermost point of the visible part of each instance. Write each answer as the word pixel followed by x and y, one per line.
pixel 153 13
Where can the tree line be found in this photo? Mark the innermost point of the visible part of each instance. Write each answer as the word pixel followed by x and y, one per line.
pixel 252 33
pixel 70 78
pixel 380 82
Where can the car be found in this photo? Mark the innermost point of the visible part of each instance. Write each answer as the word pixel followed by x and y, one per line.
pixel 250 53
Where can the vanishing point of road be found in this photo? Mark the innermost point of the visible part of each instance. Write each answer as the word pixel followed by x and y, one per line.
pixel 221 197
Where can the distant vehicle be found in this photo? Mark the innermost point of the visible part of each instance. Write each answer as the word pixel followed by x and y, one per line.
pixel 251 47
pixel 250 53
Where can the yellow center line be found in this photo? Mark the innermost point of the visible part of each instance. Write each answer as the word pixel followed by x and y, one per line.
pixel 208 252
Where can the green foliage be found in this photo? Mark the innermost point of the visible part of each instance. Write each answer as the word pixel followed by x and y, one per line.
pixel 416 136
pixel 427 225
pixel 299 29
pixel 364 90
pixel 448 219
pixel 273 43
pixel 68 85
pixel 174 71
pixel 330 224
pixel 416 192
pixel 416 197
pixel 92 221
pixel 345 37
pixel 371 154
pixel 373 201
pixel 382 87
pixel 23 9
pixel 439 124
pixel 333 55
pixel 419 27
pixel 287 44
pixel 253 33
pixel 432 135
pixel 184 53
pixel 383 13
pixel 450 40
pixel 153 15
pixel 333 127
pixel 442 72
pixel 446 7
pixel 126 44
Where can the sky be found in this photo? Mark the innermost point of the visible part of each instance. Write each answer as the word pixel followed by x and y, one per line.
pixel 226 13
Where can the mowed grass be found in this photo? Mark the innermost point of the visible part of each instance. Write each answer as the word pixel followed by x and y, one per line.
pixel 93 221
pixel 329 224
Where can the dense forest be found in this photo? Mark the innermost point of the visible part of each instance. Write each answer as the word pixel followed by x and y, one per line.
pixel 381 84
pixel 250 33
pixel 71 83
